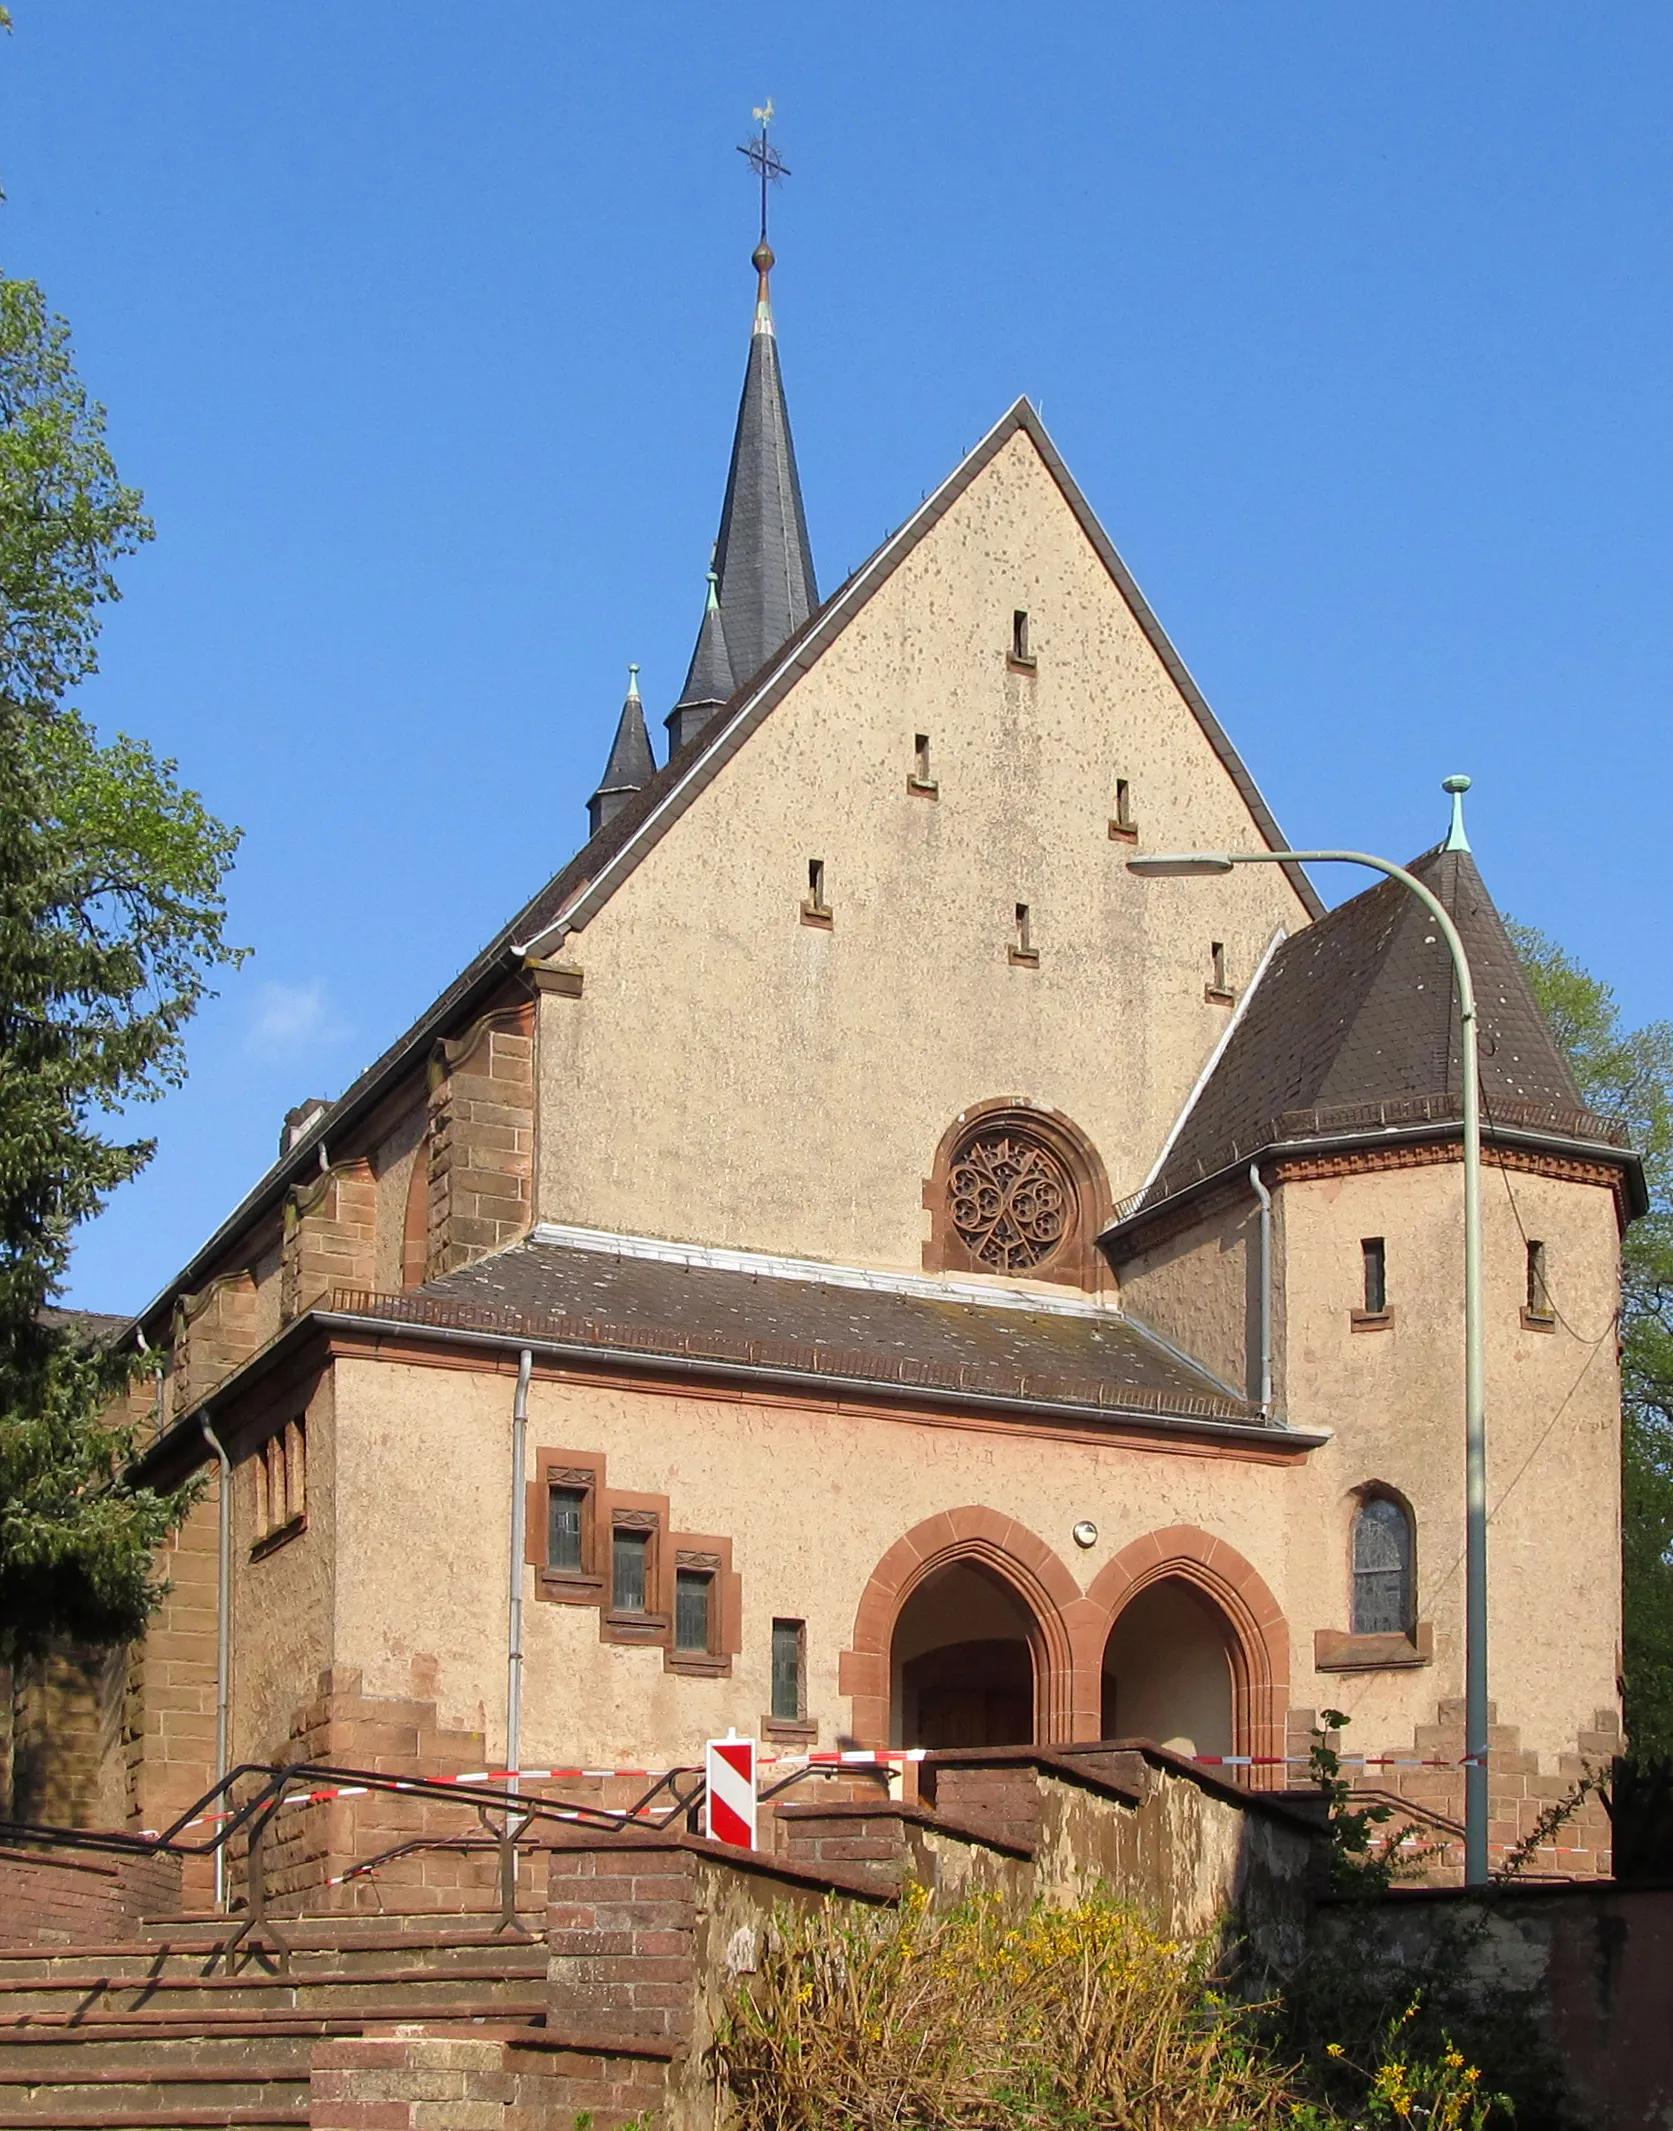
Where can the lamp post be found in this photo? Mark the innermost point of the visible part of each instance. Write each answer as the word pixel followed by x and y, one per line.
pixel 1187 864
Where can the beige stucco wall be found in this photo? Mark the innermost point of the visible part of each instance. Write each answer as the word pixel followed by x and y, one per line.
pixel 1395 1401
pixel 811 1500
pixel 1199 1290
pixel 745 1079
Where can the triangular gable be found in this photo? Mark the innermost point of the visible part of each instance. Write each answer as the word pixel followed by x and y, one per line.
pixel 695 768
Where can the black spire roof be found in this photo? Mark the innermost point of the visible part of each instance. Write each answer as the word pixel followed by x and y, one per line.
pixel 709 683
pixel 1354 1027
pixel 631 765
pixel 762 557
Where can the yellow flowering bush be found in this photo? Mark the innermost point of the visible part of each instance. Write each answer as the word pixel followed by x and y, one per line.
pixel 980 2017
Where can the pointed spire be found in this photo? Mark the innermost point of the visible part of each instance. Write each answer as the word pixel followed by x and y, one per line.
pixel 631 765
pixel 709 682
pixel 765 563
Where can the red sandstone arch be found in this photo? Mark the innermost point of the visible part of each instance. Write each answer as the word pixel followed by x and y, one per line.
pixel 1019 1559
pixel 1260 1637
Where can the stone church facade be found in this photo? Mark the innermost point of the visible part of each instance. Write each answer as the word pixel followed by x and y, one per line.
pixel 937 1287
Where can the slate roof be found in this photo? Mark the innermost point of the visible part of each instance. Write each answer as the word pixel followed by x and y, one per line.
pixel 833 1327
pixel 1354 1025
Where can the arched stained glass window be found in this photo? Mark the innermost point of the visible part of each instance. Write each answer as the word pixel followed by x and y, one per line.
pixel 1383 1579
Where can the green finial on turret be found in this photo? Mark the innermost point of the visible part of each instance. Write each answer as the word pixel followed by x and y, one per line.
pixel 633 684
pixel 1456 840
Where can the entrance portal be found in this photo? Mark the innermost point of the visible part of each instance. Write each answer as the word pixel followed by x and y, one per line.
pixel 963 1663
pixel 1168 1672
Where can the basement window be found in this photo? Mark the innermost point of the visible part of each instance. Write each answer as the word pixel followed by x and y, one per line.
pixel 922 780
pixel 1123 828
pixel 1022 654
pixel 815 909
pixel 1023 948
pixel 1373 1312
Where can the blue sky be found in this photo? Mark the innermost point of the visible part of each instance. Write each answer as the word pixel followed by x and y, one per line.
pixel 422 328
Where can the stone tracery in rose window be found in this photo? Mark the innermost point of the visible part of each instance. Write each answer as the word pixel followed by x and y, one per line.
pixel 1011 1201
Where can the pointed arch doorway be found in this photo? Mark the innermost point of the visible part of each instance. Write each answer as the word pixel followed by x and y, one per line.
pixel 962 1662
pixel 1169 1672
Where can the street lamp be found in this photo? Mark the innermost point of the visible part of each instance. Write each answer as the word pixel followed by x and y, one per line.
pixel 1199 864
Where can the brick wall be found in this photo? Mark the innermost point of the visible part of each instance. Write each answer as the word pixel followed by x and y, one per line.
pixel 1519 1794
pixel 330 1236
pixel 66 1714
pixel 411 2081
pixel 63 1899
pixel 168 1717
pixel 214 1331
pixel 481 1140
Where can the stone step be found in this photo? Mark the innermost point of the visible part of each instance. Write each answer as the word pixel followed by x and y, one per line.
pixel 62 1967
pixel 310 1940
pixel 56 2116
pixel 305 1989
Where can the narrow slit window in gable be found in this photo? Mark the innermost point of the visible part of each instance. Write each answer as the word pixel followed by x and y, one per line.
pixel 1539 1295
pixel 922 778
pixel 1019 637
pixel 1373 1252
pixel 1023 948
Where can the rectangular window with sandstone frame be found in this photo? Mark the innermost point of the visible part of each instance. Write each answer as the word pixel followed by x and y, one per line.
pixel 1373 1314
pixel 630 1570
pixel 694 1611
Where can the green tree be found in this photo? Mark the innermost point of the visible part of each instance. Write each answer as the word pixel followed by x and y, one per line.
pixel 111 924
pixel 1627 1075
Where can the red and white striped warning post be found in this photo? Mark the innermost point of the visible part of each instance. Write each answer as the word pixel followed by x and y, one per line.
pixel 729 1791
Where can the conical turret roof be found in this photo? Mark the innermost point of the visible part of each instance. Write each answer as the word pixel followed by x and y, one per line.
pixel 1354 1026
pixel 631 766
pixel 709 683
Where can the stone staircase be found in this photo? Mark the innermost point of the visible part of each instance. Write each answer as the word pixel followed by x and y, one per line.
pixel 164 2032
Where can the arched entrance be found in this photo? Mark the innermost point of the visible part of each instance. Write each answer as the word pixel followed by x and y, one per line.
pixel 1023 1592
pixel 1170 1671
pixel 1175 1669
pixel 962 1662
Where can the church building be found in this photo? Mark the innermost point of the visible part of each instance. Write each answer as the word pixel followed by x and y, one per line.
pixel 854 1263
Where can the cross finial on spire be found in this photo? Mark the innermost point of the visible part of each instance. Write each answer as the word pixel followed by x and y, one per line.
pixel 764 159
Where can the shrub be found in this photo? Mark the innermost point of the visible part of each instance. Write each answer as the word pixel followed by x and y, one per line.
pixel 1083 2019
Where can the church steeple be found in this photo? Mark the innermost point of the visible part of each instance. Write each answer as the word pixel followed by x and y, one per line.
pixel 710 681
pixel 631 765
pixel 763 564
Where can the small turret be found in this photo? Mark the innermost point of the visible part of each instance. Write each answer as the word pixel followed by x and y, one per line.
pixel 631 765
pixel 709 683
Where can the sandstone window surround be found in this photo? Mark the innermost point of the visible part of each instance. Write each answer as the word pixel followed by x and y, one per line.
pixel 1017 1191
pixel 1384 1632
pixel 1374 1314
pixel 279 1469
pixel 788 1720
pixel 590 1544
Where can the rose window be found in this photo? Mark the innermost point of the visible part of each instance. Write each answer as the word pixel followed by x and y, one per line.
pixel 1011 1202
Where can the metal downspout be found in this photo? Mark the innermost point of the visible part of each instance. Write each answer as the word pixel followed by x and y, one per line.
pixel 519 1547
pixel 223 1633
pixel 1263 1320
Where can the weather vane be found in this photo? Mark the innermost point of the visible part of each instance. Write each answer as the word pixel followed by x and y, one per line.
pixel 764 159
